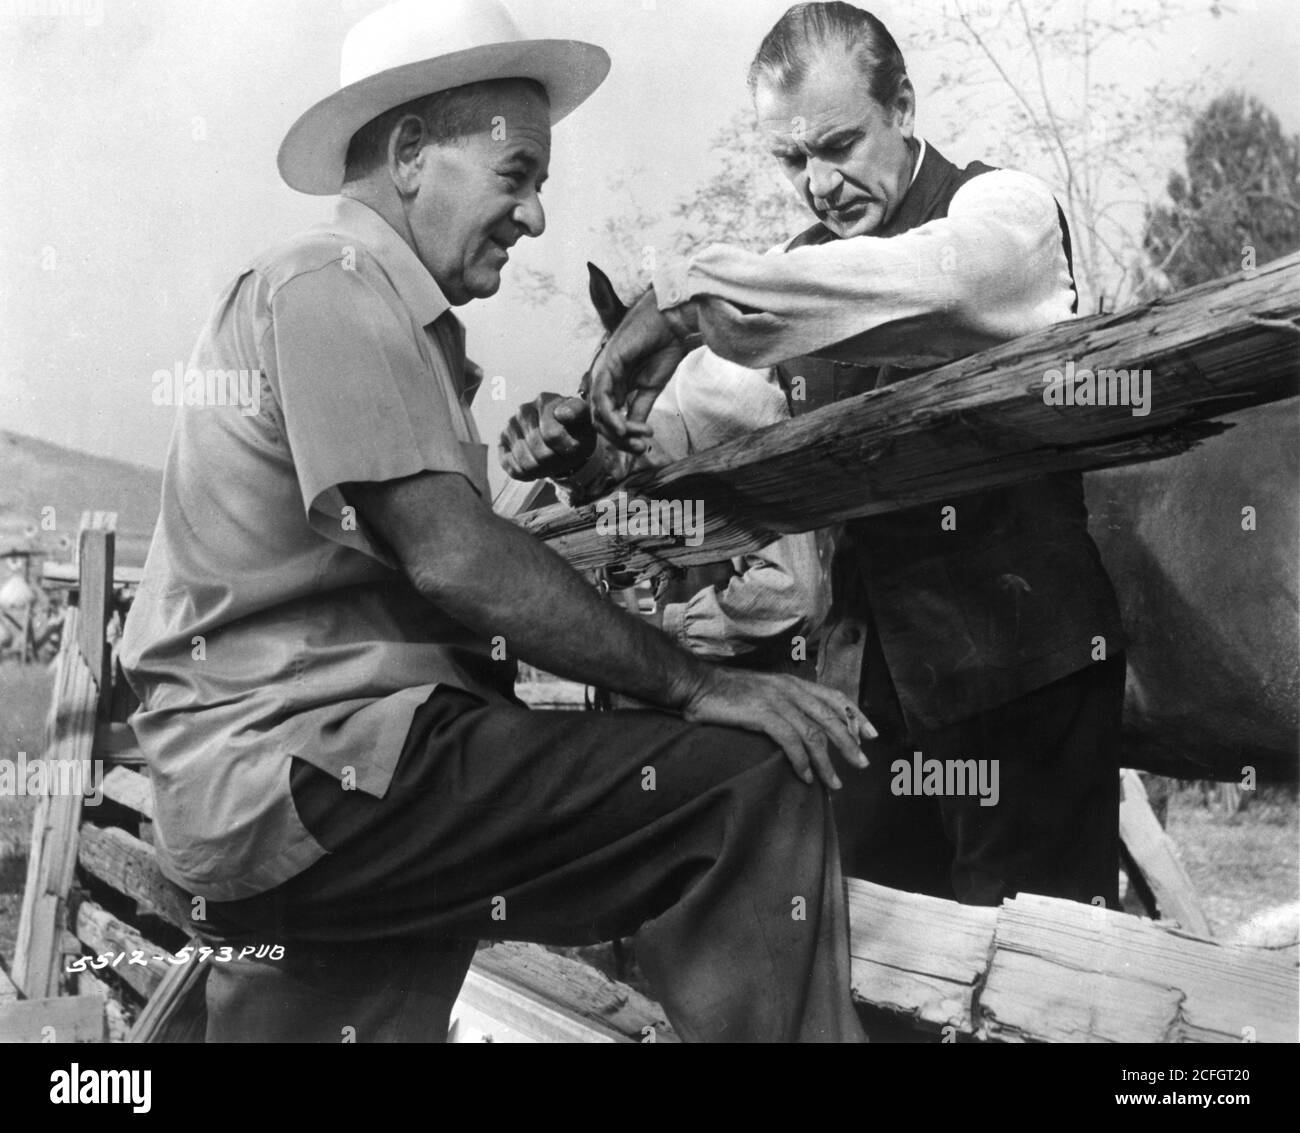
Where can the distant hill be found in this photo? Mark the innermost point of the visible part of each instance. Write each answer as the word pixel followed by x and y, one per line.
pixel 37 474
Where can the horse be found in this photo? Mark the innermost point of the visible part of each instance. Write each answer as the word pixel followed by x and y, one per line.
pixel 1204 551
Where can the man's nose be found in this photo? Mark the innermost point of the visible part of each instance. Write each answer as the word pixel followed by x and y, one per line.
pixel 824 179
pixel 530 216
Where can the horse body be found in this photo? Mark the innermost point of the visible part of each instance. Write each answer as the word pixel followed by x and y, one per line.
pixel 1210 599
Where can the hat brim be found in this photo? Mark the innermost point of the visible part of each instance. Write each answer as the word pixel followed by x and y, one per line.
pixel 312 154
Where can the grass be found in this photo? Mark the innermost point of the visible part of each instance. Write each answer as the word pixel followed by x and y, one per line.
pixel 1239 864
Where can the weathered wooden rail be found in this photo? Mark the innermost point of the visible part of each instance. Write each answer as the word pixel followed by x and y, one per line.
pixel 978 423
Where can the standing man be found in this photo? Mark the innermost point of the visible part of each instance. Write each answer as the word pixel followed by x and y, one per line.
pixel 324 640
pixel 990 632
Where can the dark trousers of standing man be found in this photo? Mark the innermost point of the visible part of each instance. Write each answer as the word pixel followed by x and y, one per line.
pixel 1054 829
pixel 561 828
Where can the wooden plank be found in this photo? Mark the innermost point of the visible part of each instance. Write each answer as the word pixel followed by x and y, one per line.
pixel 70 731
pixel 576 988
pixel 101 933
pixel 96 602
pixel 34 926
pixel 1027 998
pixel 65 575
pixel 1058 971
pixel 974 424
pixel 177 1011
pixel 917 955
pixel 130 789
pixel 1155 854
pixel 66 1019
pixel 493 1010
pixel 52 857
pixel 131 867
pixel 1105 958
pixel 33 922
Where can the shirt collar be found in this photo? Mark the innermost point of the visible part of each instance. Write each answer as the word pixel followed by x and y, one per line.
pixel 916 169
pixel 409 277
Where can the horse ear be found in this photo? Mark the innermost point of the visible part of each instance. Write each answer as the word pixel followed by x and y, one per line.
pixel 609 307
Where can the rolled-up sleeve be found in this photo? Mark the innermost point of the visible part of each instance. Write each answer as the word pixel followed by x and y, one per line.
pixel 358 398
pixel 777 593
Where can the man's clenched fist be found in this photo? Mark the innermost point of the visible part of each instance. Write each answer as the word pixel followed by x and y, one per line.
pixel 550 436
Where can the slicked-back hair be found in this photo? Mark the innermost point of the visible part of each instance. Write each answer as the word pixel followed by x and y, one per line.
pixel 448 116
pixel 805 30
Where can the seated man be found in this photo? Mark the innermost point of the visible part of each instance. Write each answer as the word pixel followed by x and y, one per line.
pixel 324 642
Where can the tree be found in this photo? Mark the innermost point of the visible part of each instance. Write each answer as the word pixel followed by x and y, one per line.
pixel 745 201
pixel 1048 78
pixel 1237 204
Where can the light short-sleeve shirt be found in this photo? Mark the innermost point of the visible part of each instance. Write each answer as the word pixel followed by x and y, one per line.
pixel 269 623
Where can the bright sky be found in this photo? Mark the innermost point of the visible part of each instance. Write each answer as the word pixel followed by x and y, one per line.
pixel 138 141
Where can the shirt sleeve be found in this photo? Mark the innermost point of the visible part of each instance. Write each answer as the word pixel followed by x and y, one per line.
pixel 777 593
pixel 991 270
pixel 359 400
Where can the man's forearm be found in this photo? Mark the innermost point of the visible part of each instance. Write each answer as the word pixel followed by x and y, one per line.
pixel 504 582
pixel 991 270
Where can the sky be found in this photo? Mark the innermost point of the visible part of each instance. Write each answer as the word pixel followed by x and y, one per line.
pixel 138 142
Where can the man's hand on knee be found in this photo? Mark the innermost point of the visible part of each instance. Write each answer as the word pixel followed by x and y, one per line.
pixel 804 719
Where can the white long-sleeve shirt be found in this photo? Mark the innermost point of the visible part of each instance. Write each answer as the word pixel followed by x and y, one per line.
pixel 991 270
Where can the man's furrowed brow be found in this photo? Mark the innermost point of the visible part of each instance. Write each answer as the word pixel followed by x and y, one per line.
pixel 837 136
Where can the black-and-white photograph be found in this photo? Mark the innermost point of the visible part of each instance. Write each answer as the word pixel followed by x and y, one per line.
pixel 651 521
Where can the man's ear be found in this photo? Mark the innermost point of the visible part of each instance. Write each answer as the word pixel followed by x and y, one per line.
pixel 904 107
pixel 609 307
pixel 406 143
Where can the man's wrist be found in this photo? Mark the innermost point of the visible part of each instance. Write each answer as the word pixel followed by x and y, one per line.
pixel 672 295
pixel 586 473
pixel 686 683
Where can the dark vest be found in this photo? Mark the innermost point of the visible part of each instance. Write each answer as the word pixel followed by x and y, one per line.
pixel 928 626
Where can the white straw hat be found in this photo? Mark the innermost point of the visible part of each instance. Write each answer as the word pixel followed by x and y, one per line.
pixel 417 47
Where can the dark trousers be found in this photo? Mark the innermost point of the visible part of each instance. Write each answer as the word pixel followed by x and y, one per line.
pixel 1055 827
pixel 562 828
